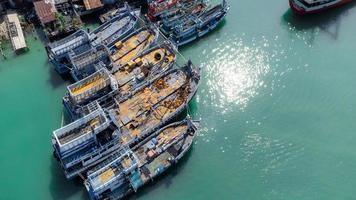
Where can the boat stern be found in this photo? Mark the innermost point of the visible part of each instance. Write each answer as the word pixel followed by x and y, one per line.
pixel 296 8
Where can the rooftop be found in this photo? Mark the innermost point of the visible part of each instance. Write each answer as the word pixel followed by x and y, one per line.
pixel 45 11
pixel 92 4
pixel 15 31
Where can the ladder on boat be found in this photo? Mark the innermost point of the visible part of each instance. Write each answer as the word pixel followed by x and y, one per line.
pixel 93 106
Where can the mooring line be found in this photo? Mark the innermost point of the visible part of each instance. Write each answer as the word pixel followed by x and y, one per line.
pixel 62 119
pixel 162 35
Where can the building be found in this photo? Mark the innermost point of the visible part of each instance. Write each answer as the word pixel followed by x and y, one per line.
pixel 46 11
pixel 85 7
pixel 15 32
pixel 57 18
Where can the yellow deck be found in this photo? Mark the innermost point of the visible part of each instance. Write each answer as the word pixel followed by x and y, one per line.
pixel 92 124
pixel 106 175
pixel 88 86
pixel 131 47
pixel 143 102
pixel 124 74
pixel 149 58
pixel 165 137
pixel 170 133
pixel 126 163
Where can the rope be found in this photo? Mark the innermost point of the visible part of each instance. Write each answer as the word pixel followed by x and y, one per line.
pixel 163 36
pixel 188 111
pixel 62 122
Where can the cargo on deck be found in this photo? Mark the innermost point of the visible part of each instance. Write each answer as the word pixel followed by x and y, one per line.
pixel 120 81
pixel 116 178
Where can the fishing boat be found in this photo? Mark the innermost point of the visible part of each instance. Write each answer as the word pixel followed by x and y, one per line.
pixel 148 160
pixel 123 51
pixel 80 41
pixel 84 64
pixel 157 7
pixel 303 7
pixel 121 80
pixel 195 27
pixel 84 143
pixel 116 28
pixel 181 7
pixel 152 106
pixel 58 52
pixel 184 11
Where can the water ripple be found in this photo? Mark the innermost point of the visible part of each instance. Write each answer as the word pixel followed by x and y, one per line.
pixel 269 156
pixel 235 70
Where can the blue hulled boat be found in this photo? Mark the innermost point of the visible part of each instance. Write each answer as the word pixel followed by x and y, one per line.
pixel 124 174
pixel 59 52
pixel 86 63
pixel 194 27
pixel 183 11
pixel 116 28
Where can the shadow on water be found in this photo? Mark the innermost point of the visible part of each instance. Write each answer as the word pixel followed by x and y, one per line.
pixel 91 22
pixel 56 80
pixel 41 35
pixel 327 22
pixel 165 180
pixel 65 117
pixel 60 188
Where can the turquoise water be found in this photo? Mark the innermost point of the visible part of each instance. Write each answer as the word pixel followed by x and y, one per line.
pixel 277 104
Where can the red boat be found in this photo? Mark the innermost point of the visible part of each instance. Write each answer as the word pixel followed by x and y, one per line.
pixel 303 7
pixel 157 6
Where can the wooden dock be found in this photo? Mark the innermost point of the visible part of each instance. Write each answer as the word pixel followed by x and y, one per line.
pixel 15 32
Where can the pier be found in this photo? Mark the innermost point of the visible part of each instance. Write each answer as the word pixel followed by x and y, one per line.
pixel 15 32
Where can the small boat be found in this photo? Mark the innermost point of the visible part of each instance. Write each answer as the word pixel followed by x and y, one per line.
pixel 58 52
pixel 121 80
pixel 182 7
pixel 123 51
pixel 195 27
pixel 84 64
pixel 181 13
pixel 302 7
pixel 91 139
pixel 116 28
pixel 85 142
pixel 149 159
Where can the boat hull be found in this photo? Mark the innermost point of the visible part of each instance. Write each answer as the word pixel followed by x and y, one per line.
pixel 185 143
pixel 301 11
pixel 200 29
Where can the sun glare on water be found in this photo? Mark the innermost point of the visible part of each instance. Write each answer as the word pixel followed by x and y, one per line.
pixel 235 72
